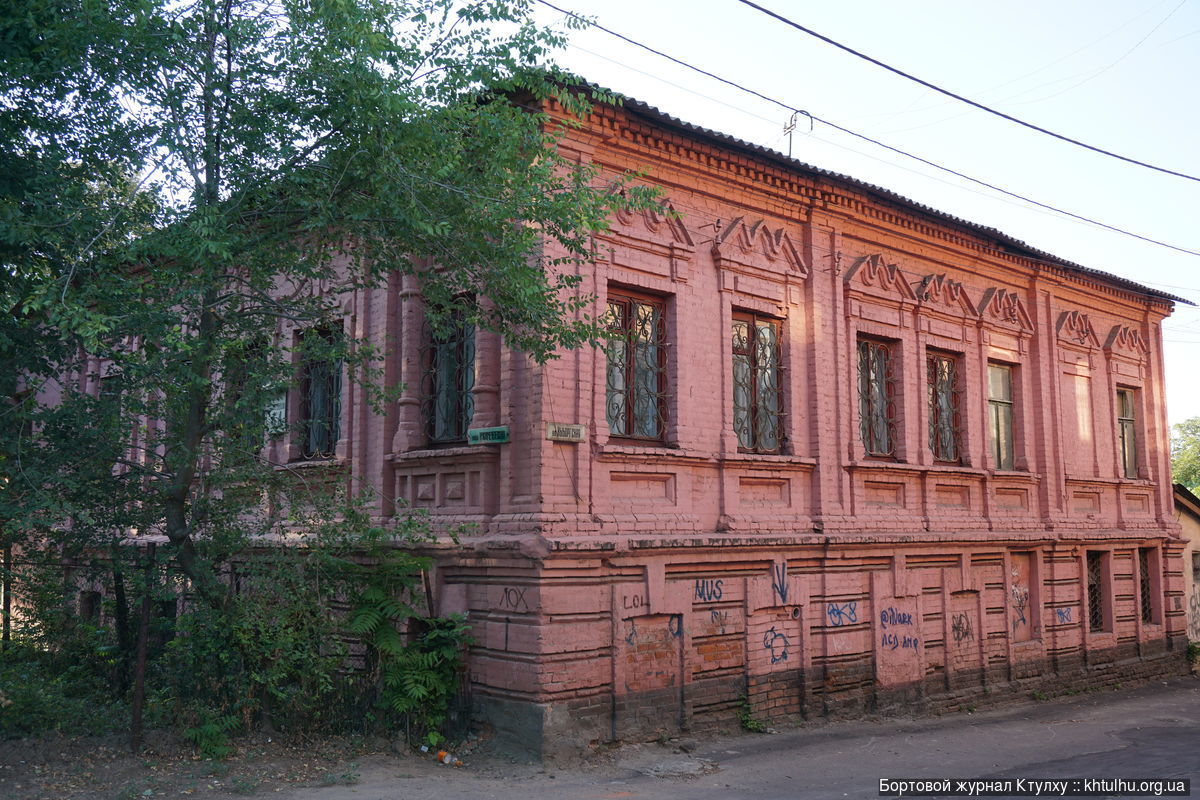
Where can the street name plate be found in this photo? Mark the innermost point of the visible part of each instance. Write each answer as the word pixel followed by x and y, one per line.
pixel 497 435
pixel 565 432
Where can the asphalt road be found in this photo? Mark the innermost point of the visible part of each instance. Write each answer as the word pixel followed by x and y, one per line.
pixel 1149 732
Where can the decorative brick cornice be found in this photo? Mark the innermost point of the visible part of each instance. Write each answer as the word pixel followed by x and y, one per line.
pixel 661 224
pixel 876 275
pixel 759 246
pixel 1006 308
pixel 950 295
pixel 1126 341
pixel 791 184
pixel 1076 328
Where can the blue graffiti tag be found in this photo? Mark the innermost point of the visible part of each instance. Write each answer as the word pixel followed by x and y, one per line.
pixel 1020 597
pixel 777 643
pixel 779 582
pixel 894 616
pixel 893 641
pixel 708 590
pixel 1063 614
pixel 631 637
pixel 840 615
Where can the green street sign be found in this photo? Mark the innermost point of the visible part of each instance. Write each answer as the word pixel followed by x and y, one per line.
pixel 488 435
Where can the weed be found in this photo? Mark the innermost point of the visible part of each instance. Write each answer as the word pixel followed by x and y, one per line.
pixel 747 719
pixel 211 735
pixel 1040 696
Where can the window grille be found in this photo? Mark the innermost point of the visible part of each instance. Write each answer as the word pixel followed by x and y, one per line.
pixel 1095 591
pixel 877 411
pixel 757 396
pixel 1144 584
pixel 321 394
pixel 1000 415
pixel 942 374
pixel 635 376
pixel 447 380
pixel 1126 431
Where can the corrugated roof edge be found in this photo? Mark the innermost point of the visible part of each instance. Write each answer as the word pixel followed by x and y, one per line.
pixel 658 115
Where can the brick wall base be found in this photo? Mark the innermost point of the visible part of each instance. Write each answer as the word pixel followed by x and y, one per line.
pixel 569 729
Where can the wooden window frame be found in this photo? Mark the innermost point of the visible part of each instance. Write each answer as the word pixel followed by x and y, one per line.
pixel 1127 438
pixel 935 362
pixel 311 367
pixel 878 428
pixel 448 381
pixel 760 433
pixel 998 407
pixel 626 405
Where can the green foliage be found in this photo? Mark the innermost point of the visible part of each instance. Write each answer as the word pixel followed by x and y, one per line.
pixel 747 719
pixel 40 694
pixel 210 736
pixel 1185 453
pixel 177 179
pixel 1193 652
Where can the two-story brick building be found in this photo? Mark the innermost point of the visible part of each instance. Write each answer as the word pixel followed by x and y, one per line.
pixel 846 452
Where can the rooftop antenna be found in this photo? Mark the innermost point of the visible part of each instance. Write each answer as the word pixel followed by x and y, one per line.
pixel 790 127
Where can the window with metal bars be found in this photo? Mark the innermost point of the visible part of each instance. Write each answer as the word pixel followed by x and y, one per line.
pixel 1095 591
pixel 757 394
pixel 636 374
pixel 876 405
pixel 447 380
pixel 1144 584
pixel 1000 414
pixel 942 380
pixel 320 392
pixel 1126 432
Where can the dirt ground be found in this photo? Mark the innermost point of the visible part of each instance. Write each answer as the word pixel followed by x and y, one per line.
pixel 1149 729
pixel 103 767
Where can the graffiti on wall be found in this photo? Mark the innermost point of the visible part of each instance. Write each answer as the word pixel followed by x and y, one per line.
pixel 1020 607
pixel 840 614
pixel 777 643
pixel 960 628
pixel 779 582
pixel 709 590
pixel 1063 615
pixel 513 598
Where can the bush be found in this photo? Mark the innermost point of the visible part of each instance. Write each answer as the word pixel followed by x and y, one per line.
pixel 40 696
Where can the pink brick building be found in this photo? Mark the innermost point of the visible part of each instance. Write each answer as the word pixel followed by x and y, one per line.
pixel 849 453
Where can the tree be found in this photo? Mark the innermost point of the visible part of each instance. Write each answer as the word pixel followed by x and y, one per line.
pixel 1185 453
pixel 254 149
pixel 179 176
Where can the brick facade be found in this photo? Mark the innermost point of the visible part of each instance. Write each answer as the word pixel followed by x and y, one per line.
pixel 624 587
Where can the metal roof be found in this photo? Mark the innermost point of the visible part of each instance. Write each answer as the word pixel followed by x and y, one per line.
pixel 663 118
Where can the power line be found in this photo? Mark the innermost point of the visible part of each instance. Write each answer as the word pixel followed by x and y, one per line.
pixel 864 137
pixel 960 98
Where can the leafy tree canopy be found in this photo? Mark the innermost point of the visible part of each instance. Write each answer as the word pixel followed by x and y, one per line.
pixel 1185 453
pixel 176 176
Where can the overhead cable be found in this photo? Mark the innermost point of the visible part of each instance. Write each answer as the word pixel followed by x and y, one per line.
pixel 962 99
pixel 864 137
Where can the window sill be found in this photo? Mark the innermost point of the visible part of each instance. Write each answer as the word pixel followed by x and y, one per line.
pixel 456 451
pixel 769 458
pixel 311 463
pixel 1112 481
pixel 1014 475
pixel 625 447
